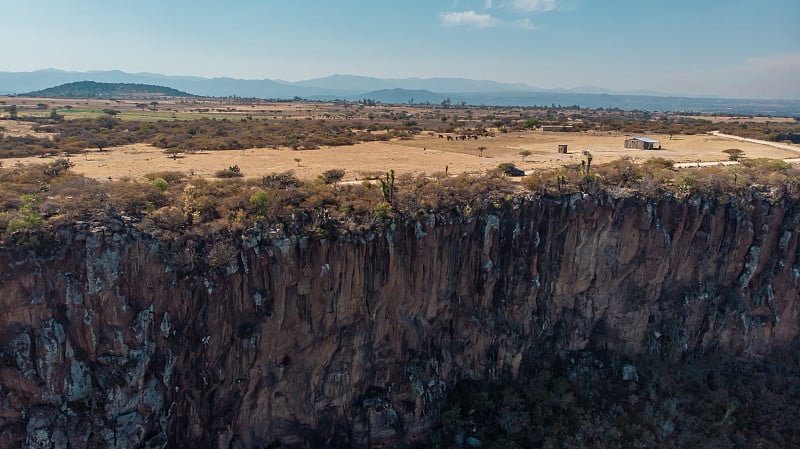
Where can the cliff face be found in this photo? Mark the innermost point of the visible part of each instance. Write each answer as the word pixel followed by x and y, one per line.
pixel 357 342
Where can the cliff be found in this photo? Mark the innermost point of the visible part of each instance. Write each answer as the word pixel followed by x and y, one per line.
pixel 115 340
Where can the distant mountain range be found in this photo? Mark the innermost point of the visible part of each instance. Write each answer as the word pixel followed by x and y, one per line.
pixel 93 89
pixel 406 90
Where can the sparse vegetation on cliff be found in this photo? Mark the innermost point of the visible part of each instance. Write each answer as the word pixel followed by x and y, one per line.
pixel 171 203
pixel 305 206
pixel 657 176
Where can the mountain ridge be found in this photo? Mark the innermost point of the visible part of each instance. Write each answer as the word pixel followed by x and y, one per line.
pixel 390 90
pixel 16 83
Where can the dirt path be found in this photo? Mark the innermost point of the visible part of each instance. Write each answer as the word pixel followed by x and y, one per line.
pixel 793 161
pixel 781 146
pixel 703 164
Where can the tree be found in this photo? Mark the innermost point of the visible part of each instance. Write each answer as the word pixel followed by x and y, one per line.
pixel 531 123
pixel 110 112
pixel 524 154
pixel 173 153
pixel 98 143
pixel 55 116
pixel 12 111
pixel 106 121
pixel 733 154
pixel 481 149
pixel 154 104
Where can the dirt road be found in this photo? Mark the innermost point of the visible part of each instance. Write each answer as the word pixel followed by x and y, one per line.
pixel 782 146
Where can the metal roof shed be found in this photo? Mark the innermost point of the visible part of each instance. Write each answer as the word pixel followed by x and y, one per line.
pixel 641 143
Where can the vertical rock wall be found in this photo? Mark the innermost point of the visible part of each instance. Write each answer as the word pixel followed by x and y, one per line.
pixel 357 341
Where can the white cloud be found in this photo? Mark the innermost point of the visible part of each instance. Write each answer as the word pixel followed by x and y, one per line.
pixel 469 18
pixel 525 24
pixel 534 5
pixel 488 4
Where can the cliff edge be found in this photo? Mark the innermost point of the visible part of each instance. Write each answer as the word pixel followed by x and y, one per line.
pixel 259 339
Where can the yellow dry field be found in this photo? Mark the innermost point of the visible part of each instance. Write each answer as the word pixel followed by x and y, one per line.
pixel 426 153
pixel 19 128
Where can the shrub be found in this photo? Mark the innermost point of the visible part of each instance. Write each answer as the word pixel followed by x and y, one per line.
pixel 222 256
pixel 686 182
pixel 370 175
pixel 28 218
pixel 160 184
pixel 264 203
pixel 509 169
pixel 58 167
pixel 535 181
pixel 382 210
pixel 659 163
pixel 283 180
pixel 167 218
pixel 622 172
pixel 333 175
pixel 230 172
pixel 172 177
pixel 766 165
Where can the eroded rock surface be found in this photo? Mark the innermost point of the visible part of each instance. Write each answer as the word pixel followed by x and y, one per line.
pixel 357 341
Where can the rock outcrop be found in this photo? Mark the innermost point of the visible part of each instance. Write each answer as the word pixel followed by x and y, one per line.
pixel 356 342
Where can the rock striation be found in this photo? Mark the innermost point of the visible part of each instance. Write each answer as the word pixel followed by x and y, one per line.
pixel 268 339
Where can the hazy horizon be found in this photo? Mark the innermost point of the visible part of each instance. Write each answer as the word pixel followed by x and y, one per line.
pixel 730 49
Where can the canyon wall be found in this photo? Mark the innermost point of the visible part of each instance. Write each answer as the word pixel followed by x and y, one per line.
pixel 117 341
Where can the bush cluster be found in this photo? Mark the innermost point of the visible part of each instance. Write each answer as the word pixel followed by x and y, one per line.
pixel 657 176
pixel 197 135
pixel 171 202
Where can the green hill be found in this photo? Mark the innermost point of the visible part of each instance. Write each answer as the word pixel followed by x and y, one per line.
pixel 92 89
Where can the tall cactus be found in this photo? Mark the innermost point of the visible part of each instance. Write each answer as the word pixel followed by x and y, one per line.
pixel 588 163
pixel 387 187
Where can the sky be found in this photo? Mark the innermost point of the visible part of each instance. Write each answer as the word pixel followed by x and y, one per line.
pixel 726 48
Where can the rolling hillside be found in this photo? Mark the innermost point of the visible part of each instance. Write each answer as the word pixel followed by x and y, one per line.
pixel 92 89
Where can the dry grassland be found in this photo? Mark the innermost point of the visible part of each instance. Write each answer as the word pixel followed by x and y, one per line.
pixel 426 153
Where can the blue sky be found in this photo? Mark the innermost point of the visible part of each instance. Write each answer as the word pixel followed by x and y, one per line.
pixel 730 48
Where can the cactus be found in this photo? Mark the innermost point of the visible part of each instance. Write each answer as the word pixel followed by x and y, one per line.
pixel 387 186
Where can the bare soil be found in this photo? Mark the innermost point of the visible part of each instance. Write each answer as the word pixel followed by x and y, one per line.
pixel 426 153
